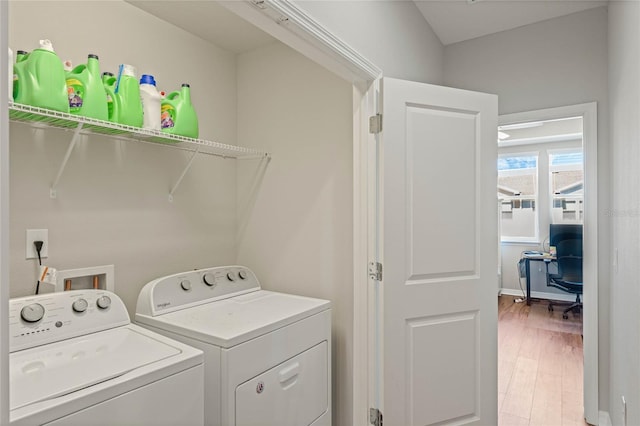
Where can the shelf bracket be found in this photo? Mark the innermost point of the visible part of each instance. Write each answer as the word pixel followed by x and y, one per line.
pixel 72 144
pixel 184 172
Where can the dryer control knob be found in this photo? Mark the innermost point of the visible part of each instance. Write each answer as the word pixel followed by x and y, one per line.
pixel 80 305
pixel 231 276
pixel 242 275
pixel 209 279
pixel 186 285
pixel 32 313
pixel 103 302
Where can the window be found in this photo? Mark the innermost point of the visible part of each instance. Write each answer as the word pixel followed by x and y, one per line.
pixel 566 177
pixel 518 193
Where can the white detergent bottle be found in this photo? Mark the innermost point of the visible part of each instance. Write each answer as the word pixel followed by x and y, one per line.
pixel 150 102
pixel 10 76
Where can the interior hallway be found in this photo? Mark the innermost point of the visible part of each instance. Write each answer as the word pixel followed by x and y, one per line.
pixel 540 365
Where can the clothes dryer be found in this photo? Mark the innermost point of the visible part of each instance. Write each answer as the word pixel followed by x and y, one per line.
pixel 267 354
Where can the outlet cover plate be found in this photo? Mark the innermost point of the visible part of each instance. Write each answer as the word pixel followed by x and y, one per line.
pixel 37 235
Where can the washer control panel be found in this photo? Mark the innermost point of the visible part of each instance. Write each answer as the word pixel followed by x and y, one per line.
pixel 178 291
pixel 47 318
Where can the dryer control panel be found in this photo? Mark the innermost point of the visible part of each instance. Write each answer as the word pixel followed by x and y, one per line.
pixel 192 288
pixel 48 318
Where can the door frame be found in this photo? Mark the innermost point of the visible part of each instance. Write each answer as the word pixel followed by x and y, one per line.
pixel 589 114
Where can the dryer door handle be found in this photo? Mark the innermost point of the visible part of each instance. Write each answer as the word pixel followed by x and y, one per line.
pixel 288 373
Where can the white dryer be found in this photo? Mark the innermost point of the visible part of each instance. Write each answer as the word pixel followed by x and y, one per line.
pixel 76 360
pixel 267 354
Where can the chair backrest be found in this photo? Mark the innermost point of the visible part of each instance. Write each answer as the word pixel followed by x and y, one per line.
pixel 568 242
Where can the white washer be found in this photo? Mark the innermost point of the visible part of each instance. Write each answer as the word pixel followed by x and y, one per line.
pixel 267 354
pixel 76 360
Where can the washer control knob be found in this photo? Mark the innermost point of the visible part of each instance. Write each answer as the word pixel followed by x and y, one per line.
pixel 242 275
pixel 231 276
pixel 103 302
pixel 32 313
pixel 186 285
pixel 209 279
pixel 80 305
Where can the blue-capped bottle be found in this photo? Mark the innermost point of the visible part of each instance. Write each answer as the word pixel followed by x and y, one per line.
pixel 151 99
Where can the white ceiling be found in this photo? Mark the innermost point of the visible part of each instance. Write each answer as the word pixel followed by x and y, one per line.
pixel 459 20
pixel 209 21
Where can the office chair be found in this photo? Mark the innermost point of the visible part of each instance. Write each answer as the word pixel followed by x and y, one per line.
pixel 568 242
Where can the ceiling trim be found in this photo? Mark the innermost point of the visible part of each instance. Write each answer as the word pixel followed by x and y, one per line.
pixel 329 42
pixel 291 25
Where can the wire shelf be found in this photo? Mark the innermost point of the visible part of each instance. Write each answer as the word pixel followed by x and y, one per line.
pixel 41 117
pixel 46 118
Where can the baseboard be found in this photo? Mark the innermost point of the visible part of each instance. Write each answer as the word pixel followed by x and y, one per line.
pixel 539 295
pixel 604 419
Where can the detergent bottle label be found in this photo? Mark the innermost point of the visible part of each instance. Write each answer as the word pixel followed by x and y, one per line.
pixel 75 92
pixel 167 116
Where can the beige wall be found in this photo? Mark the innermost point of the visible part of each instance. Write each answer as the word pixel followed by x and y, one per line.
pixel 295 226
pixel 624 92
pixel 112 205
pixel 558 62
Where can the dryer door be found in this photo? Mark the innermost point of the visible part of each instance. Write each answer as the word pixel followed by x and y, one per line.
pixel 293 393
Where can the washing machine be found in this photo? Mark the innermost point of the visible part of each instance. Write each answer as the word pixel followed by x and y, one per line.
pixel 267 354
pixel 75 359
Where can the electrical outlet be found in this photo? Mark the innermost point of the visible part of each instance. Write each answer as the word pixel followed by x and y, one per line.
pixel 624 411
pixel 37 235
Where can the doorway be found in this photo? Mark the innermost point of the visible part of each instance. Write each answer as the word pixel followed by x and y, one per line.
pixel 562 188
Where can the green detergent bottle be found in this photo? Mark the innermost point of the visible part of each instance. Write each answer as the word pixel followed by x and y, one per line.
pixel 106 76
pixel 20 56
pixel 177 114
pixel 123 97
pixel 39 79
pixel 85 90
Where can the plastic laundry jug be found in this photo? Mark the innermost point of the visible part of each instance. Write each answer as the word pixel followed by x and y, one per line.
pixel 20 56
pixel 105 78
pixel 85 90
pixel 150 102
pixel 39 79
pixel 10 76
pixel 123 97
pixel 178 115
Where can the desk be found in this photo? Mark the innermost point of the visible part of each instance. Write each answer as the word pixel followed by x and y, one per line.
pixel 545 257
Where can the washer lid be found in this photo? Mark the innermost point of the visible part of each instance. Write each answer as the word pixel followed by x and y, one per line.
pixel 232 321
pixel 49 371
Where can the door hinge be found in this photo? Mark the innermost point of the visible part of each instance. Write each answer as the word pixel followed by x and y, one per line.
pixel 375 417
pixel 375 270
pixel 375 124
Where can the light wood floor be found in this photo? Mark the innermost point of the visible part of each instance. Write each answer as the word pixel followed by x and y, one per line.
pixel 539 365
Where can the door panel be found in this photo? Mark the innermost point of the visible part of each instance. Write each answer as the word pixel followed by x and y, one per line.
pixel 451 365
pixel 439 239
pixel 436 190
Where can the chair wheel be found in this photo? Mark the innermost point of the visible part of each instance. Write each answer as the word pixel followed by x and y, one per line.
pixel 565 316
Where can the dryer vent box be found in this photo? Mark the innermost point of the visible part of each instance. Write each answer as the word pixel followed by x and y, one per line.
pixel 83 278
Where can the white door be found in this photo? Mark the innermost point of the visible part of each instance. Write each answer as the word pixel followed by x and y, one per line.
pixel 439 251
